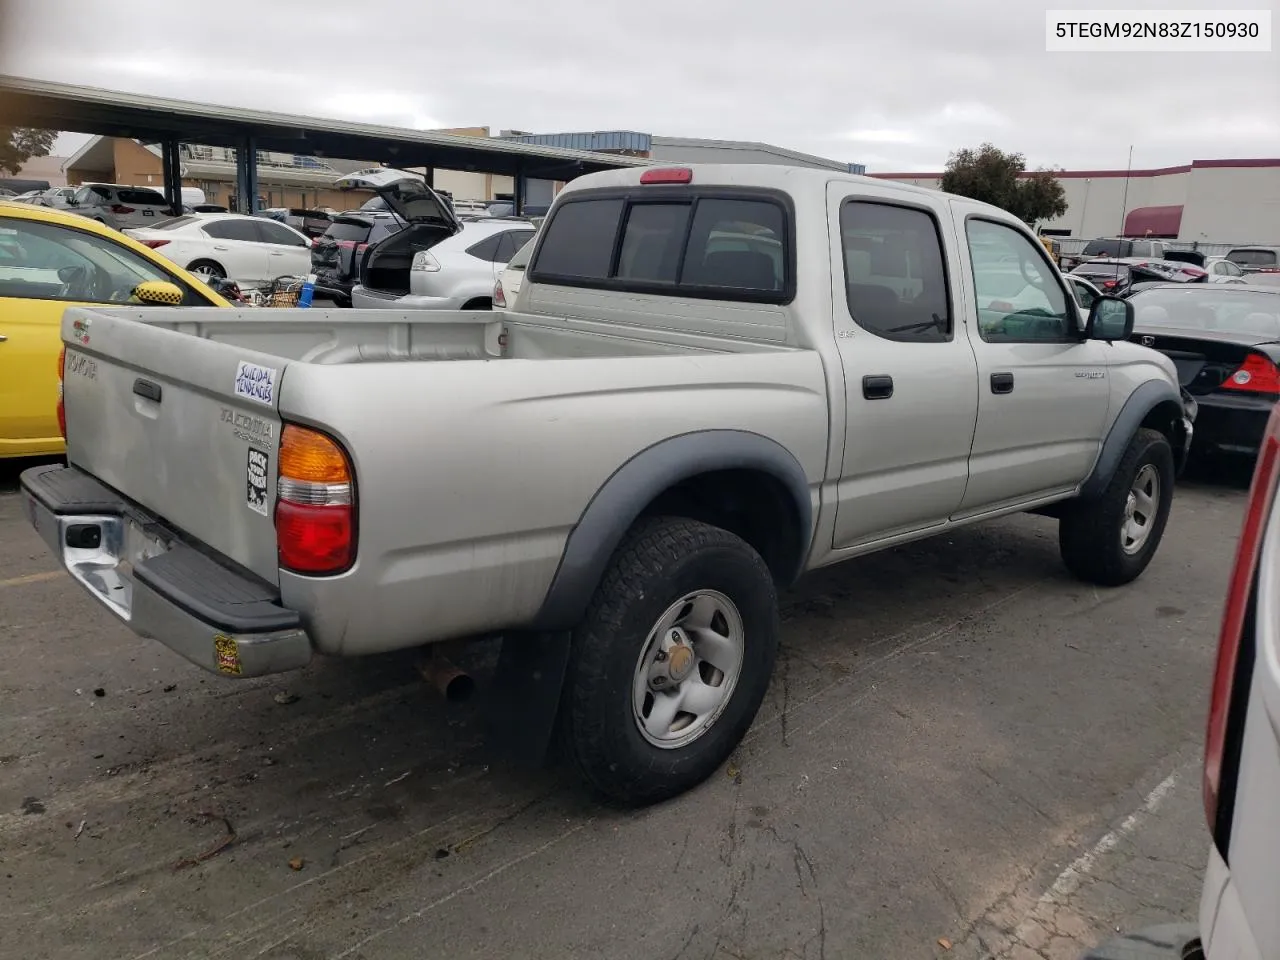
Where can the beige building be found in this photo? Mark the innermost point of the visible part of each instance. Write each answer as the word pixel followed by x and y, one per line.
pixel 1206 201
pixel 284 180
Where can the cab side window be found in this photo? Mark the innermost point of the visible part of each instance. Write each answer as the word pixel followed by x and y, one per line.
pixel 1019 297
pixel 895 278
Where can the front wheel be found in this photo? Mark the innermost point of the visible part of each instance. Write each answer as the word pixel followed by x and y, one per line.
pixel 1110 540
pixel 671 662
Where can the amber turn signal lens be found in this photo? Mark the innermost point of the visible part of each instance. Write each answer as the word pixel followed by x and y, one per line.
pixel 312 457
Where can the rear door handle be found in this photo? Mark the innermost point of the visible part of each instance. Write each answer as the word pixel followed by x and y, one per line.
pixel 145 388
pixel 3 338
pixel 877 387
pixel 1002 383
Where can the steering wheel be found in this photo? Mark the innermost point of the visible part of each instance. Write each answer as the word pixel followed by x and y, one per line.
pixel 1033 277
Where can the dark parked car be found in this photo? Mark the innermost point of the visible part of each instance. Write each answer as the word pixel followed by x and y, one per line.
pixel 336 255
pixel 1225 341
pixel 1118 276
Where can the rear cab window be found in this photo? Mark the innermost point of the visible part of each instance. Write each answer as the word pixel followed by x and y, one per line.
pixel 709 243
pixel 149 197
pixel 352 231
pixel 1107 248
pixel 1253 258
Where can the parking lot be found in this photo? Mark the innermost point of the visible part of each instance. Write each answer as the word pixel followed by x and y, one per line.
pixel 965 753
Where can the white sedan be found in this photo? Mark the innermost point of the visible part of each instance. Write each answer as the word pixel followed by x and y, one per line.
pixel 252 251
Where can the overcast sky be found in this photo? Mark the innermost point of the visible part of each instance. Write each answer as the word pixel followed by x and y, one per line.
pixel 895 85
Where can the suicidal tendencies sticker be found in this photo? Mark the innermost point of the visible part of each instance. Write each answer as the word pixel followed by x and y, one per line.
pixel 256 481
pixel 255 382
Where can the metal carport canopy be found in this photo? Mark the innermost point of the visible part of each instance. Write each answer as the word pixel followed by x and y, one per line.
pixel 61 106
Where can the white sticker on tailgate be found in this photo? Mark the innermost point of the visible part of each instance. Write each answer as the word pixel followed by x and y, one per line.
pixel 256 383
pixel 256 481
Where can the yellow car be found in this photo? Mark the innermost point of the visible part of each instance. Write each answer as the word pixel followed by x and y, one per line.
pixel 50 260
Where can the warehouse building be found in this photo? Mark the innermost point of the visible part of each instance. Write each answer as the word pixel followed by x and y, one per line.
pixel 1206 201
pixel 681 149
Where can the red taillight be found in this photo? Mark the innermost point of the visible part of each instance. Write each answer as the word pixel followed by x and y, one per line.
pixel 347 244
pixel 1239 590
pixel 119 208
pixel 1256 375
pixel 62 409
pixel 315 510
pixel 672 175
pixel 153 244
pixel 499 295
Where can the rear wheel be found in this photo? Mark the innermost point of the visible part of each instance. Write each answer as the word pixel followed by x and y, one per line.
pixel 480 303
pixel 207 270
pixel 1110 540
pixel 671 662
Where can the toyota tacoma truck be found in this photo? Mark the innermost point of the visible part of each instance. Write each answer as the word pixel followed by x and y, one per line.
pixel 713 379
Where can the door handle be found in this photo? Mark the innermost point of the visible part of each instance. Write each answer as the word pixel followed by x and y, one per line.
pixel 878 387
pixel 222 249
pixel 1002 383
pixel 147 389
pixel 3 338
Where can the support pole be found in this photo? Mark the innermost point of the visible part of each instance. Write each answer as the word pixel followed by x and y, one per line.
pixel 520 189
pixel 171 165
pixel 247 176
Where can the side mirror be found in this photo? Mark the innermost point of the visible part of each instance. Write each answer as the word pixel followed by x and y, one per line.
pixel 1110 318
pixel 158 293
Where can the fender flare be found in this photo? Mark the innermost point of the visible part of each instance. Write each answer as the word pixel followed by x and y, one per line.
pixel 1141 402
pixel 634 485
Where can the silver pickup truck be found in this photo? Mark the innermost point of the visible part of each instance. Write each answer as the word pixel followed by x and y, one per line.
pixel 713 380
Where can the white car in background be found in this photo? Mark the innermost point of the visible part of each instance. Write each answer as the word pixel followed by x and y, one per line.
pixel 456 273
pixel 119 206
pixel 508 285
pixel 252 251
pixel 1222 270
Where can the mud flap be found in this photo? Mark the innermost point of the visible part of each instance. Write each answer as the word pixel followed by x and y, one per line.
pixel 524 697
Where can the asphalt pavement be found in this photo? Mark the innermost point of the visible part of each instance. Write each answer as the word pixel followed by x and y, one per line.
pixel 965 753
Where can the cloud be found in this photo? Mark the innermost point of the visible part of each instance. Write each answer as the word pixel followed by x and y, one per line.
pixel 909 82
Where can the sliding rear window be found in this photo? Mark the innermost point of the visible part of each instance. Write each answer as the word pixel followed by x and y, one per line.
pixel 733 245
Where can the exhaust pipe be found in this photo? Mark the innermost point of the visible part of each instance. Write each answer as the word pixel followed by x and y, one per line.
pixel 453 683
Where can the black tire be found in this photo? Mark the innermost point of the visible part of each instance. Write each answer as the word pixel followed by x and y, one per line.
pixel 660 561
pixel 215 269
pixel 1089 532
pixel 480 303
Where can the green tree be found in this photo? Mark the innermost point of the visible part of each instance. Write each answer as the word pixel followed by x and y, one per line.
pixel 993 176
pixel 20 144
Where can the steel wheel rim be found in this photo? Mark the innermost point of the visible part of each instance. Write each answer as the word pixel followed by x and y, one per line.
pixel 688 669
pixel 1140 510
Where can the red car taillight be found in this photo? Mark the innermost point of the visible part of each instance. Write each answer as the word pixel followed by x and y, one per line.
pixel 1235 621
pixel 62 409
pixel 153 244
pixel 120 208
pixel 499 295
pixel 1256 375
pixel 315 504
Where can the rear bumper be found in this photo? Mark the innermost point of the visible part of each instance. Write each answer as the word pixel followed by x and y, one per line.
pixel 1232 424
pixel 363 298
pixel 228 622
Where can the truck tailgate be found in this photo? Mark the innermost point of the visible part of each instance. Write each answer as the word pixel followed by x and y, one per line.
pixel 184 426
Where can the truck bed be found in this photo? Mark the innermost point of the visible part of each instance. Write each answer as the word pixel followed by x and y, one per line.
pixel 174 409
